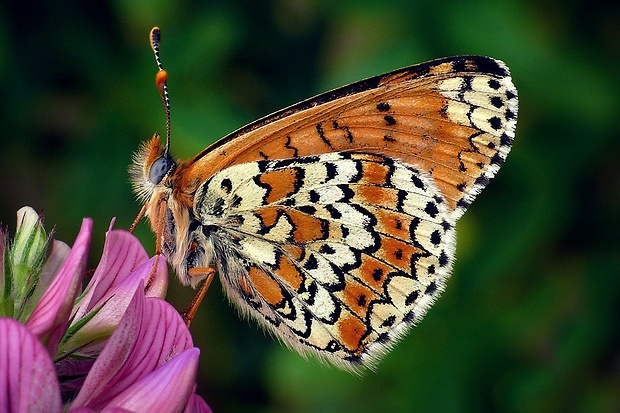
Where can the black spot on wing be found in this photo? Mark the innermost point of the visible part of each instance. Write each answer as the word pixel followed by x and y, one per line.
pixel 383 107
pixel 226 185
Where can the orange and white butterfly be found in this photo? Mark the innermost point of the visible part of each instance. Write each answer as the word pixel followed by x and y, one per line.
pixel 332 222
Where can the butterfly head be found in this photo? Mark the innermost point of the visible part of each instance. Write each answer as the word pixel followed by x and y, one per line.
pixel 151 167
pixel 152 163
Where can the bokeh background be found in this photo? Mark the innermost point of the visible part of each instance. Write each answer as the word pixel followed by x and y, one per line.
pixel 530 321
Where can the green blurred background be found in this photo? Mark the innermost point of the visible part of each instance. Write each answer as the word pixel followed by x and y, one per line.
pixel 530 321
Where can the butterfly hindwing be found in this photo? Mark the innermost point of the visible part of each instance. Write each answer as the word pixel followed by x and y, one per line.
pixel 339 252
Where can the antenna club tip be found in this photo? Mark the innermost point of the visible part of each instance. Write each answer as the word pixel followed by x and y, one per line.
pixel 154 37
pixel 155 34
pixel 160 80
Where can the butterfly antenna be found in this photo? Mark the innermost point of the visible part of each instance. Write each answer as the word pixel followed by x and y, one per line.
pixel 161 82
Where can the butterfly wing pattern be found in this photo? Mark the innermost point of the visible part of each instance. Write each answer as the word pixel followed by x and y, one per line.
pixel 332 222
pixel 338 252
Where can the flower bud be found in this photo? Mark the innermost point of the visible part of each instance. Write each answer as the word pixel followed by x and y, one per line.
pixel 26 255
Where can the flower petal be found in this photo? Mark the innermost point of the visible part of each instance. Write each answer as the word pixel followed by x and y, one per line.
pixel 49 319
pixel 166 389
pixel 122 253
pixel 27 377
pixel 157 285
pixel 149 334
pixel 106 410
pixel 114 303
pixel 196 404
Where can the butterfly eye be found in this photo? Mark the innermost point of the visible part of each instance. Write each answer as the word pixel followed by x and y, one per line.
pixel 159 169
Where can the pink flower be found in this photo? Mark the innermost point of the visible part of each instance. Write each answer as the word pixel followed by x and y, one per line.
pixel 121 347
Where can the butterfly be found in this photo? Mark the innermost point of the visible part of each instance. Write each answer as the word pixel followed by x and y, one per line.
pixel 332 222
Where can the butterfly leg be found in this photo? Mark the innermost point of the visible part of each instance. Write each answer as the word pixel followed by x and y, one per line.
pixel 209 272
pixel 135 222
pixel 158 232
pixel 159 227
pixel 152 273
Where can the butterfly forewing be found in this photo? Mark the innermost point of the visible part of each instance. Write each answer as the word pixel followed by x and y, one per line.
pixel 454 118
